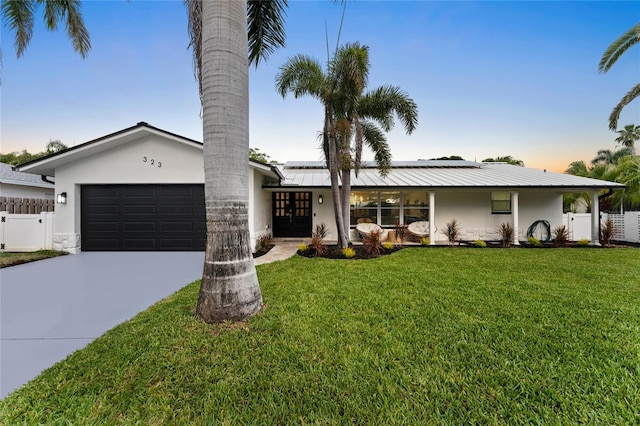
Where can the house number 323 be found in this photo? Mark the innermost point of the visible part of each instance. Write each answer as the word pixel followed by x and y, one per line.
pixel 151 161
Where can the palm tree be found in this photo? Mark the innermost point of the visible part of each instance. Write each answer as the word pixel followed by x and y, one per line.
pixel 350 115
pixel 610 56
pixel 628 137
pixel 365 118
pixel 218 31
pixel 607 157
pixel 302 75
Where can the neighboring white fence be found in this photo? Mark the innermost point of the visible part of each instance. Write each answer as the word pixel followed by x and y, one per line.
pixel 626 226
pixel 26 232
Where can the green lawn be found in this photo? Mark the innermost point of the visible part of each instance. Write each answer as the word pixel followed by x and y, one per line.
pixel 11 259
pixel 423 336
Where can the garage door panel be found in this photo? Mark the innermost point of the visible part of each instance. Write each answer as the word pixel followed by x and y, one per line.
pixel 143 217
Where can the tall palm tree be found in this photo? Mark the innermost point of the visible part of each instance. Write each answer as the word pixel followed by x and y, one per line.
pixel 610 56
pixel 628 137
pixel 505 159
pixel 608 157
pixel 218 31
pixel 350 115
pixel 366 117
pixel 302 75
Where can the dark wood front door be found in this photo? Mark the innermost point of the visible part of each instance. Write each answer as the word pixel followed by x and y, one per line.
pixel 291 214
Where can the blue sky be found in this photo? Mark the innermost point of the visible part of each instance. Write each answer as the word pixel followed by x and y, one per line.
pixel 490 78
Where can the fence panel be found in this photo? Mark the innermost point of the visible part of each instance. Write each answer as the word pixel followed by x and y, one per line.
pixel 578 224
pixel 14 205
pixel 26 232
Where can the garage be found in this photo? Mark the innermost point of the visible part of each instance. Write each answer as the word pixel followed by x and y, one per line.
pixel 151 217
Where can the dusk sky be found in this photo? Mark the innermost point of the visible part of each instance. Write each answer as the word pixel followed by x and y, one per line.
pixel 490 78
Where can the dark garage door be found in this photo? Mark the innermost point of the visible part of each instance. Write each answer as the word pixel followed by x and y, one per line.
pixel 143 218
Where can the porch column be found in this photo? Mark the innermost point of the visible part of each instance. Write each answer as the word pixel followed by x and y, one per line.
pixel 516 217
pixel 432 218
pixel 595 218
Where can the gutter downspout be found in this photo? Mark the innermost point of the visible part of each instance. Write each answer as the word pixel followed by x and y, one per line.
pixel 44 179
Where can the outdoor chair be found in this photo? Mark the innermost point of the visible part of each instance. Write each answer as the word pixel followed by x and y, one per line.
pixel 419 229
pixel 364 229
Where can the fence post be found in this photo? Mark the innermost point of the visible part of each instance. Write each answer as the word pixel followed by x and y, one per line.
pixel 3 223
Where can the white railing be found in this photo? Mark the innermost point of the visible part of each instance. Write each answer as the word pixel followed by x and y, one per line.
pixel 26 232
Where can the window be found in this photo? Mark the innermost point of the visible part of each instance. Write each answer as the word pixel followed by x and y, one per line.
pixel 501 202
pixel 364 207
pixel 415 207
pixel 386 208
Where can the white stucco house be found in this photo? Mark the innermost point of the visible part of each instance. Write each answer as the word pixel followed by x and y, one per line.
pixel 141 188
pixel 14 184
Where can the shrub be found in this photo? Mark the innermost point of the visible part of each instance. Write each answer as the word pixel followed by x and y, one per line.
pixel 302 248
pixel 506 234
pixel 317 238
pixel 452 231
pixel 264 243
pixel 606 233
pixel 401 232
pixel 560 236
pixel 534 242
pixel 480 244
pixel 584 242
pixel 388 246
pixel 348 252
pixel 372 243
pixel 425 241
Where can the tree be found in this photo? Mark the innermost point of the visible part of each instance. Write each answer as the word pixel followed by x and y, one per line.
pixel 607 157
pixel 302 75
pixel 610 57
pixel 55 146
pixel 256 155
pixel 220 32
pixel 449 158
pixel 504 159
pixel 628 137
pixel 364 118
pixel 15 158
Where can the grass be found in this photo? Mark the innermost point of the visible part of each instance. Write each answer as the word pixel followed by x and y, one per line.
pixel 11 259
pixel 443 336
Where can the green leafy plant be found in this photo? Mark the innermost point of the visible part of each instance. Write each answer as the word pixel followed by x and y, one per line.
pixel 534 242
pixel 264 243
pixel 348 252
pixel 583 242
pixel 560 236
pixel 506 234
pixel 480 244
pixel 452 231
pixel 425 241
pixel 606 233
pixel 372 243
pixel 302 248
pixel 388 245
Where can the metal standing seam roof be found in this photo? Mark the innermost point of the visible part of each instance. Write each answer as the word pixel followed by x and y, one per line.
pixel 442 174
pixel 11 177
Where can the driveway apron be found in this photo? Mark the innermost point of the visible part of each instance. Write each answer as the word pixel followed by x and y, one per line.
pixel 53 307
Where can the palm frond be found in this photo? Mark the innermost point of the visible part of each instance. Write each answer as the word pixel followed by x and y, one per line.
pixel 626 99
pixel 76 30
pixel 18 16
pixel 194 29
pixel 618 47
pixel 375 139
pixel 266 32
pixel 385 102
pixel 301 75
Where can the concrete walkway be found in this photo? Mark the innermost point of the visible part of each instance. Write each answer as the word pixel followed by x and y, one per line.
pixel 53 307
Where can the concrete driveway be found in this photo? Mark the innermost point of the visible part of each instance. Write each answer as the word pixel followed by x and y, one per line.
pixel 53 307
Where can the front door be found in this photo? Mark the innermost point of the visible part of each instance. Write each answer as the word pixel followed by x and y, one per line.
pixel 291 214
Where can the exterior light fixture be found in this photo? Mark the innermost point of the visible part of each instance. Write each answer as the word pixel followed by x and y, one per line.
pixel 62 198
pixel 320 199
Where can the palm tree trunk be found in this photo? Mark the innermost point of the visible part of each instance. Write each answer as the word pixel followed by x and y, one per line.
pixel 229 289
pixel 331 157
pixel 346 204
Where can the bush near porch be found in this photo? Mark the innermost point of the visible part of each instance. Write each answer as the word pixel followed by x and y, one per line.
pixel 444 336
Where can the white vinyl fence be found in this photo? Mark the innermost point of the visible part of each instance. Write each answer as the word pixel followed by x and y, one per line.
pixel 626 226
pixel 26 232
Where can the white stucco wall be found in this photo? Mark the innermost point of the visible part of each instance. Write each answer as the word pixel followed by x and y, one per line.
pixel 23 191
pixel 472 210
